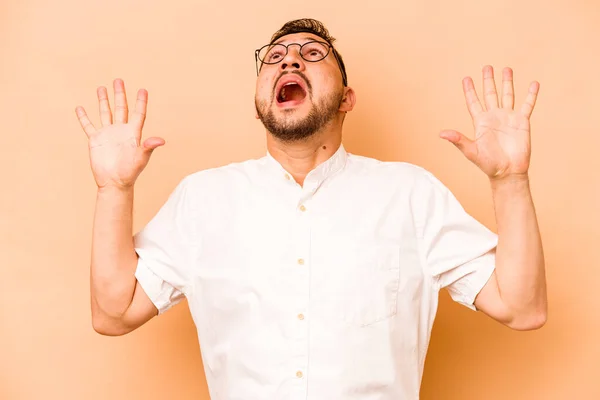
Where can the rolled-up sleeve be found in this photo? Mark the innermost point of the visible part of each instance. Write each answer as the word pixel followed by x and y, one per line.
pixel 460 252
pixel 160 292
pixel 165 247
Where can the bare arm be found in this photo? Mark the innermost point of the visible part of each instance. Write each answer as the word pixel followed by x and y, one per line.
pixel 117 157
pixel 516 294
pixel 119 305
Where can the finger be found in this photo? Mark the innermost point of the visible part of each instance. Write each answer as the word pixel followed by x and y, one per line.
pixel 85 122
pixel 489 88
pixel 105 113
pixel 121 110
pixel 473 103
pixel 463 143
pixel 148 147
pixel 529 104
pixel 152 143
pixel 508 91
pixel 141 103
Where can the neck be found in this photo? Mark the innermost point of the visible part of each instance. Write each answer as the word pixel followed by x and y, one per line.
pixel 301 157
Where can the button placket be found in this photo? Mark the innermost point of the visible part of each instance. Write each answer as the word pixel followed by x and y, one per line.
pixel 300 269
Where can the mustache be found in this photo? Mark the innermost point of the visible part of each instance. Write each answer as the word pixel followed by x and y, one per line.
pixel 300 74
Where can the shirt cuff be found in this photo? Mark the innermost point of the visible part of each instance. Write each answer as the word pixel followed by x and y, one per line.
pixel 465 291
pixel 162 295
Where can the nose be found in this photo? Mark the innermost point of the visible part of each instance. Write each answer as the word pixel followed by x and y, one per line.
pixel 292 59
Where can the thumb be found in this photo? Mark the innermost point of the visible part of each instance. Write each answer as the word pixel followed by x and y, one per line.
pixel 148 147
pixel 152 143
pixel 463 143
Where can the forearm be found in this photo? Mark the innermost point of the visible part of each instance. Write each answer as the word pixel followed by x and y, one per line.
pixel 520 270
pixel 113 256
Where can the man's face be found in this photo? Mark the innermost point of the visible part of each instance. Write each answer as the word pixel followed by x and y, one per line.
pixel 296 98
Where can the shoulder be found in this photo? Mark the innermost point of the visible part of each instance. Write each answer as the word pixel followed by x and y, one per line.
pixel 219 177
pixel 394 172
pixel 421 187
pixel 215 185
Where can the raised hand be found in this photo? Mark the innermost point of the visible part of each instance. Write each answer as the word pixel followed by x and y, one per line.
pixel 502 145
pixel 117 156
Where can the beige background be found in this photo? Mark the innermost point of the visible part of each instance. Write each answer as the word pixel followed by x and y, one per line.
pixel 405 60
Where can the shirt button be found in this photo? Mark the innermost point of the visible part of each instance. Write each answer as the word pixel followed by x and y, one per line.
pixel 299 374
pixel 302 208
pixel 300 317
pixel 301 261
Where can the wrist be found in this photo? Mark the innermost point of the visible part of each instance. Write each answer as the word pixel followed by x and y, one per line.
pixel 112 190
pixel 511 184
pixel 510 179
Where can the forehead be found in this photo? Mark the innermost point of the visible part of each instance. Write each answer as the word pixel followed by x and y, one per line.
pixel 301 37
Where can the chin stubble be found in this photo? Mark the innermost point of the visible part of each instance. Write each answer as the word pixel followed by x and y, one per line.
pixel 288 130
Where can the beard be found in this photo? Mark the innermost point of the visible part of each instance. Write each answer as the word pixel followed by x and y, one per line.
pixel 289 129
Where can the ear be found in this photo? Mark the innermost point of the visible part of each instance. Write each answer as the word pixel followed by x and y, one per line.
pixel 349 100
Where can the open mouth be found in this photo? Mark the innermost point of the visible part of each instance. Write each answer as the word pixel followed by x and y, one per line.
pixel 291 93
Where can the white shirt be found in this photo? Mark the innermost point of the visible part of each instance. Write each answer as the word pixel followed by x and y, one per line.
pixel 321 292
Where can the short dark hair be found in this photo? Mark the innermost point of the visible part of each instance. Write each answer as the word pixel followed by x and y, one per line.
pixel 317 28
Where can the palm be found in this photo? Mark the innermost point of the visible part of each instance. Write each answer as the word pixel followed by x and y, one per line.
pixel 502 142
pixel 502 135
pixel 116 155
pixel 113 154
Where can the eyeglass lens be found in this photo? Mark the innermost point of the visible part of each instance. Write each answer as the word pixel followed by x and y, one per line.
pixel 310 51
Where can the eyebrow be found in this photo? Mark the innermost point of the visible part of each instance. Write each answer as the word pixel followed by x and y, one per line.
pixel 307 38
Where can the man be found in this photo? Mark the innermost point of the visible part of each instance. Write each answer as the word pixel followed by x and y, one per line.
pixel 312 272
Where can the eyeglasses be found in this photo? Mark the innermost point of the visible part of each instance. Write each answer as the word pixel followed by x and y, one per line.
pixel 313 51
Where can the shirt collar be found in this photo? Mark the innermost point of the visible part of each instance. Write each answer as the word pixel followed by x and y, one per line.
pixel 321 172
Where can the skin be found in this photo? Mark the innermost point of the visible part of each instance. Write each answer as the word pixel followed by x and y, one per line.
pixel 117 157
pixel 516 293
pixel 301 156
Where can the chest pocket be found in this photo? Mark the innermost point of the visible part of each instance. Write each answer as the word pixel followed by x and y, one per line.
pixel 361 284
